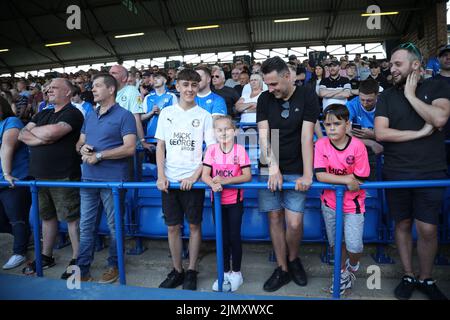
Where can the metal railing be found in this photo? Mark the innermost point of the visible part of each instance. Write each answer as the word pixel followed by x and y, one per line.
pixel 116 186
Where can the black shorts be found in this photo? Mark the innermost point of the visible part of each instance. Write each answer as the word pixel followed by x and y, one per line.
pixel 177 203
pixel 423 204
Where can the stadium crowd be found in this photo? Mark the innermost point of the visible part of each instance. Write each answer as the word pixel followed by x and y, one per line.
pixel 334 117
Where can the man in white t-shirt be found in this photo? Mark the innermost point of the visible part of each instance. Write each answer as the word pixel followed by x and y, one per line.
pixel 335 88
pixel 129 98
pixel 181 131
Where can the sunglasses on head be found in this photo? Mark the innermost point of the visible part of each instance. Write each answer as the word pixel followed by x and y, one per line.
pixel 411 48
pixel 285 112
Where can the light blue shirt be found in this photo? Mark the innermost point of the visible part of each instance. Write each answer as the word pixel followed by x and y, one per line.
pixel 360 115
pixel 213 103
pixel 129 98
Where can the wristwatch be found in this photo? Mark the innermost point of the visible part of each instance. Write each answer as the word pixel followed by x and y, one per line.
pixel 99 156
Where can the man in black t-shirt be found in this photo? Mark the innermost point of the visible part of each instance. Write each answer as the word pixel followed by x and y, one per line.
pixel 52 135
pixel 228 94
pixel 407 120
pixel 444 75
pixel 286 115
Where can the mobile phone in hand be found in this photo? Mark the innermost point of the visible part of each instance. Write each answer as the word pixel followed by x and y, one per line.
pixel 356 126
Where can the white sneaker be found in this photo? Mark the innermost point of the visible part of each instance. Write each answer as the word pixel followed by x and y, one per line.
pixel 236 280
pixel 15 261
pixel 226 286
pixel 347 280
pixel 351 268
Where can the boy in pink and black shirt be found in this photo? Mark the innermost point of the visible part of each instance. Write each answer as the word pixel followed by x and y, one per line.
pixel 342 159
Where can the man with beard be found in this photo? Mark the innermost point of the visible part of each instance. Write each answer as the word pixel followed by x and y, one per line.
pixel 444 62
pixel 407 120
pixel 334 89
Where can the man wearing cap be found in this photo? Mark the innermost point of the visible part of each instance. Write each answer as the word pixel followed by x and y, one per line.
pixel 444 63
pixel 293 59
pixel 433 66
pixel 375 74
pixel 334 89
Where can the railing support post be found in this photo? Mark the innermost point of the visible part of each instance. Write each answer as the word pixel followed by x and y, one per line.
pixel 36 229
pixel 338 243
pixel 119 235
pixel 219 239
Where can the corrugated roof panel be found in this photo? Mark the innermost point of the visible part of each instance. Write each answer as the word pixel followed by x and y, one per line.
pixel 150 42
pixel 203 10
pixel 231 34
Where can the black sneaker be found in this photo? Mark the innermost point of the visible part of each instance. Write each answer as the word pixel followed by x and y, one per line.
pixel 278 279
pixel 430 289
pixel 405 288
pixel 173 280
pixel 66 274
pixel 190 280
pixel 297 272
pixel 47 262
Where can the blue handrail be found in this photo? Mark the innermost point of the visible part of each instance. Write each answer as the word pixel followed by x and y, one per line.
pixel 116 186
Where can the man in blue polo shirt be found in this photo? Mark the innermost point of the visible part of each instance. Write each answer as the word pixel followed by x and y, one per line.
pixel 211 102
pixel 107 140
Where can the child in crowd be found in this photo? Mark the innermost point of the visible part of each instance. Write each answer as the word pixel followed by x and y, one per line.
pixel 181 131
pixel 228 163
pixel 342 159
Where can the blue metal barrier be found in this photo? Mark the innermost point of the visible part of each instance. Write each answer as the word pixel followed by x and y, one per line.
pixel 116 186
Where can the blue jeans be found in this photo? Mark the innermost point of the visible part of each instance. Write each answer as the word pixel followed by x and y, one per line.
pixel 90 208
pixel 14 210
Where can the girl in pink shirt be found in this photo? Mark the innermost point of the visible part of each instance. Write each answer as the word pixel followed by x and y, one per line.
pixel 228 163
pixel 342 159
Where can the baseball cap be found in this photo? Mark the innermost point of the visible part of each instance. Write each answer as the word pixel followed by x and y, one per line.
pixel 335 62
pixel 146 73
pixel 161 74
pixel 444 49
pixel 292 57
pixel 35 85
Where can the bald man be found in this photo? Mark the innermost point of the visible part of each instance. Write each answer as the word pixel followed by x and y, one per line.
pixel 52 135
pixel 129 98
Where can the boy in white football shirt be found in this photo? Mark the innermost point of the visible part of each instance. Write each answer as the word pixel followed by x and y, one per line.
pixel 181 131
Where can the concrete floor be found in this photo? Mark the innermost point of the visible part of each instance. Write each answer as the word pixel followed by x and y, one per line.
pixel 150 269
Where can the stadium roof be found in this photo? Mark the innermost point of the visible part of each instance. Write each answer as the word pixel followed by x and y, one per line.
pixel 26 26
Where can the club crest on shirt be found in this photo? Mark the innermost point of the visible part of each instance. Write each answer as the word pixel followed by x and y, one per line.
pixel 123 98
pixel 195 123
pixel 350 160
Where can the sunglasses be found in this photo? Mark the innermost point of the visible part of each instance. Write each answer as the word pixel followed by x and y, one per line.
pixel 285 112
pixel 411 48
pixel 216 76
pixel 78 82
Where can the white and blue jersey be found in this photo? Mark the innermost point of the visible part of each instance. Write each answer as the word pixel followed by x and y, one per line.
pixel 359 115
pixel 84 107
pixel 164 100
pixel 213 103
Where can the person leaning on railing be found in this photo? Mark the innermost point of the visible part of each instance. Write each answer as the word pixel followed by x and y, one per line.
pixel 14 202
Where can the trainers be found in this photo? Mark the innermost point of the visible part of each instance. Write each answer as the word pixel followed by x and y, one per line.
pixel 15 261
pixel 87 278
pixel 47 262
pixel 66 274
pixel 278 279
pixel 173 280
pixel 226 286
pixel 430 289
pixel 347 280
pixel 351 268
pixel 236 280
pixel 297 272
pixel 110 275
pixel 405 288
pixel 190 280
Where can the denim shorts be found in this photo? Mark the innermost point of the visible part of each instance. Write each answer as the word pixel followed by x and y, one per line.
pixel 353 229
pixel 286 199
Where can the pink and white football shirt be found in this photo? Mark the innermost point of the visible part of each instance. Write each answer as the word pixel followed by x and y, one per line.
pixel 227 165
pixel 350 160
